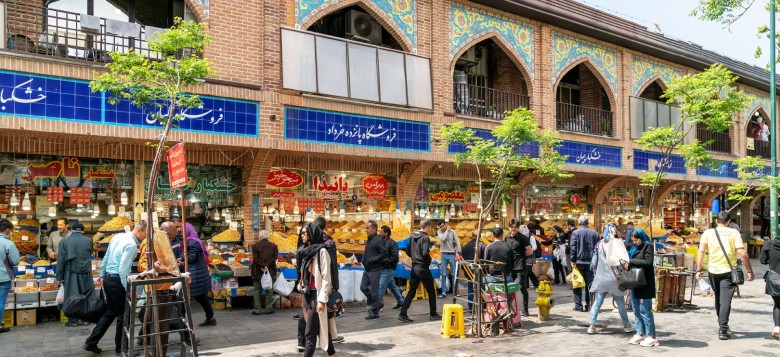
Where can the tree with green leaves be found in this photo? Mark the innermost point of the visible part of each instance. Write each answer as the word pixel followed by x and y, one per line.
pixel 728 12
pixel 499 159
pixel 158 86
pixel 707 98
pixel 753 181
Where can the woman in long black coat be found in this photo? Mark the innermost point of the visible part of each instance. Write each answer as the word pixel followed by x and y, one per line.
pixel 770 254
pixel 199 271
pixel 641 256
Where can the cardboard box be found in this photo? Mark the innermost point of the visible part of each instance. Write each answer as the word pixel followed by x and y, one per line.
pixel 26 317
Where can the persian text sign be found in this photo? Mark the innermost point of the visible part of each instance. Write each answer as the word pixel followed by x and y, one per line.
pixel 67 167
pixel 590 154
pixel 177 166
pixel 337 190
pixel 445 197
pixel 283 179
pixel 375 186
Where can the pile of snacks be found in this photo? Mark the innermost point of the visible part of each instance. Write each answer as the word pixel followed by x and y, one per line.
pixel 228 235
pixel 26 289
pixel 284 265
pixel 116 224
pixel 26 277
pixel 50 287
pixel 286 244
pixel 41 262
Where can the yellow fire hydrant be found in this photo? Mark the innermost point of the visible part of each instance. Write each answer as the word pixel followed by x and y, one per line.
pixel 545 300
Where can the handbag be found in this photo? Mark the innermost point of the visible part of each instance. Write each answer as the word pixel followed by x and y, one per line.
pixel 737 276
pixel 85 306
pixel 772 280
pixel 632 278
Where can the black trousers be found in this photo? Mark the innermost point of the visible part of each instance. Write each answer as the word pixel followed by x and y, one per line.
pixel 587 274
pixel 203 300
pixel 724 289
pixel 115 300
pixel 369 285
pixel 776 310
pixel 521 278
pixel 313 325
pixel 558 271
pixel 420 274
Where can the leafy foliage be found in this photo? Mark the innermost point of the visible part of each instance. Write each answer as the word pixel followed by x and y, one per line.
pixel 753 180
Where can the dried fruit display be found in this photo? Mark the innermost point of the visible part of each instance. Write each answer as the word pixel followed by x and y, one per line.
pixel 400 233
pixel 26 289
pixel 108 239
pixel 341 258
pixel 28 222
pixel 19 236
pixel 41 262
pixel 26 277
pixel 227 236
pixel 50 287
pixel 286 244
pixel 23 263
pixel 27 247
pixel 284 265
pixel 116 224
pixel 235 264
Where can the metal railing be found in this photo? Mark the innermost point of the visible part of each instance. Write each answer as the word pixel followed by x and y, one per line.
pixel 720 141
pixel 486 102
pixel 586 120
pixel 762 149
pixel 45 31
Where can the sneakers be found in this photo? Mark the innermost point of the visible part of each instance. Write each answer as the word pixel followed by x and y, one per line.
pixel 442 296
pixel 650 342
pixel 636 339
pixel 339 339
pixel 301 348
pixel 776 332
pixel 371 316
pixel 209 322
pixel 724 335
pixel 592 330
pixel 627 328
pixel 396 307
pixel 435 317
pixel 405 318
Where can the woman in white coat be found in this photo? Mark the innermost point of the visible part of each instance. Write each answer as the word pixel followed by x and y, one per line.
pixel 605 281
pixel 315 284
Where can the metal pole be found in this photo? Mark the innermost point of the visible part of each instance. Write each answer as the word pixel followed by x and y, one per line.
pixel 183 232
pixel 772 121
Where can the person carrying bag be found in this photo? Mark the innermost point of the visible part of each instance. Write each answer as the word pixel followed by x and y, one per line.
pixel 85 306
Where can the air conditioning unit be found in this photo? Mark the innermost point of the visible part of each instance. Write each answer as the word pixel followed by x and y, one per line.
pixel 360 26
pixel 470 56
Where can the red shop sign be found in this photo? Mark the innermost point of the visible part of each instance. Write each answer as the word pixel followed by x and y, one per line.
pixel 445 197
pixel 375 186
pixel 473 189
pixel 177 166
pixel 283 179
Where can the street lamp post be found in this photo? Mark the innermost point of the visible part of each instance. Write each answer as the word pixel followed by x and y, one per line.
pixel 772 119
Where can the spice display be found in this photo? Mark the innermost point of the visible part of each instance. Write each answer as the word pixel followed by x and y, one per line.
pixel 50 287
pixel 26 289
pixel 222 267
pixel 284 265
pixel 117 223
pixel 286 244
pixel 27 222
pixel 27 247
pixel 26 277
pixel 41 262
pixel 19 236
pixel 400 233
pixel 229 235
pixel 341 258
pixel 236 264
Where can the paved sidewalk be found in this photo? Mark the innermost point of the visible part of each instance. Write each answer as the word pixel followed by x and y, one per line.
pixel 239 333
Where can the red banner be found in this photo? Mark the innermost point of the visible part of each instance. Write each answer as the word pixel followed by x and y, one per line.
pixel 177 166
pixel 55 194
pixel 375 186
pixel 80 196
pixel 283 179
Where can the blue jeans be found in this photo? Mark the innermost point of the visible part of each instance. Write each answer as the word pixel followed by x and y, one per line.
pixel 5 287
pixel 386 281
pixel 621 303
pixel 643 316
pixel 471 294
pixel 447 269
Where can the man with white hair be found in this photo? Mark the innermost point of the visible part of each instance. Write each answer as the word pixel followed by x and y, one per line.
pixel 264 255
pixel 583 243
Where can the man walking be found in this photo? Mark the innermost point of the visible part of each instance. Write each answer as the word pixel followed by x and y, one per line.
pixel 56 237
pixel 374 258
pixel 450 245
pixel 583 243
pixel 722 244
pixel 419 251
pixel 388 272
pixel 74 266
pixel 264 254
pixel 521 249
pixel 113 275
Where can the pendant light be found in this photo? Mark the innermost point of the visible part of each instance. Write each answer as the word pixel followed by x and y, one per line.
pixel 96 209
pixel 176 211
pixel 296 210
pixel 327 213
pixel 503 210
pixel 123 198
pixel 26 204
pixel 228 217
pixel 452 210
pixel 309 216
pixel 342 212
pixel 111 208
pixel 14 201
pixel 216 214
pixel 158 206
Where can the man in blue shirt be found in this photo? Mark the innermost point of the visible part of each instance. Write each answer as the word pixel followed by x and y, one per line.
pixel 113 276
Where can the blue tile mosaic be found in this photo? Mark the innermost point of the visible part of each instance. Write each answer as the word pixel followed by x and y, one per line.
pixel 531 149
pixel 724 169
pixel 591 155
pixel 676 164
pixel 55 98
pixel 304 124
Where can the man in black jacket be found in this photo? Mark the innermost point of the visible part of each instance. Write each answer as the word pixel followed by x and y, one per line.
pixel 419 251
pixel 374 259
pixel 583 244
pixel 521 247
pixel 388 271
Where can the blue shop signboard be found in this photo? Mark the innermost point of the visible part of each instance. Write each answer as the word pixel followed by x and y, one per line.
pixel 310 125
pixel 591 155
pixel 675 165
pixel 724 169
pixel 56 98
pixel 531 149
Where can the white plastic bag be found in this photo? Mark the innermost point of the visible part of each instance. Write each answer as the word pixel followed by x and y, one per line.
pixel 61 295
pixel 266 282
pixel 283 287
pixel 615 251
pixel 704 286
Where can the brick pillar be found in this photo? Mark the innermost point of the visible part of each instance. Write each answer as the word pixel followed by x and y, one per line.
pixel 590 88
pixel 410 179
pixel 255 173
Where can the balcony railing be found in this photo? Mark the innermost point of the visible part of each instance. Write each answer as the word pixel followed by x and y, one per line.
pixel 720 141
pixel 584 119
pixel 41 30
pixel 486 102
pixel 762 149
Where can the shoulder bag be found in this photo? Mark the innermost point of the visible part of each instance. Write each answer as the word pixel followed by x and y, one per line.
pixel 737 276
pixel 632 278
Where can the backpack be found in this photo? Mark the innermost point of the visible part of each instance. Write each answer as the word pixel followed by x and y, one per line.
pixel 330 245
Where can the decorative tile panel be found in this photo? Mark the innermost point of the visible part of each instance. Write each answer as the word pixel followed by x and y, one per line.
pixel 567 49
pixel 312 125
pixel 676 164
pixel 723 169
pixel 531 149
pixel 759 100
pixel 467 23
pixel 401 14
pixel 56 98
pixel 644 70
pixel 591 155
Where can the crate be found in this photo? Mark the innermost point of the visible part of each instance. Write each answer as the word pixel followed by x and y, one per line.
pixel 242 271
pixel 8 318
pixel 27 305
pixel 26 297
pixel 48 296
pixel 20 283
pixel 26 317
pixel 9 306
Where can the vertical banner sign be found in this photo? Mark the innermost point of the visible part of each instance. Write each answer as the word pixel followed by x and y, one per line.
pixel 177 166
pixel 255 213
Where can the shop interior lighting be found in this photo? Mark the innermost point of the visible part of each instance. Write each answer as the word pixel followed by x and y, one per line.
pixel 342 212
pixel 14 220
pixel 111 208
pixel 26 204
pixel 52 211
pixel 536 189
pixel 296 210
pixel 123 198
pixel 265 209
pixel 327 213
pixel 309 216
pixel 405 219
pixel 176 211
pixel 159 206
pixel 228 217
pixel 14 201
pixel 216 215
pixel 421 213
pixel 503 210
pixel 96 209
pixel 739 213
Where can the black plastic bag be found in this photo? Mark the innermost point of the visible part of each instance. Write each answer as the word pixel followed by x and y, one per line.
pixel 85 307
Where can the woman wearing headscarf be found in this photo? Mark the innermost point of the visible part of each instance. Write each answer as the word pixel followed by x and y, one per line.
pixel 315 284
pixel 605 282
pixel 641 256
pixel 197 260
pixel 531 259
pixel 770 254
